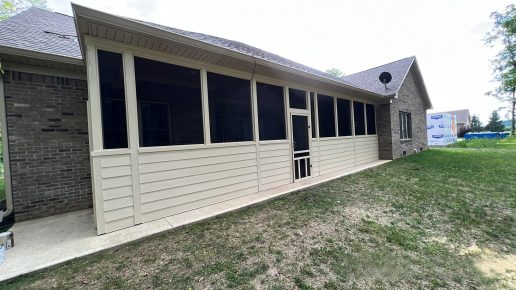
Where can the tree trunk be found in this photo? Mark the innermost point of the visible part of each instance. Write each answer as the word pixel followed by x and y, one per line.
pixel 513 112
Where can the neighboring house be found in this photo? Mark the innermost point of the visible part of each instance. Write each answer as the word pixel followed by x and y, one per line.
pixel 142 121
pixel 463 118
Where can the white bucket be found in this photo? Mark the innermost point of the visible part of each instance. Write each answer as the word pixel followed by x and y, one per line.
pixel 2 253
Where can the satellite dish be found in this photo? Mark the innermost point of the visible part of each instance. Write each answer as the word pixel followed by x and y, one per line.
pixel 385 78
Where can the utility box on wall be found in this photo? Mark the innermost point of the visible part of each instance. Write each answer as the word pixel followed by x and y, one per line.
pixel 441 129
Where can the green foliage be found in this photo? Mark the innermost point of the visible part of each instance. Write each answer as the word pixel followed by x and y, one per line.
pixel 476 125
pixel 509 143
pixel 335 72
pixel 504 64
pixel 9 8
pixel 494 124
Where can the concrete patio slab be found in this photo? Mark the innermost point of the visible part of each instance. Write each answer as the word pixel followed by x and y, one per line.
pixel 53 240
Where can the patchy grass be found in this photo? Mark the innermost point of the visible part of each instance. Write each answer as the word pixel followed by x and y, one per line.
pixel 404 225
pixel 508 143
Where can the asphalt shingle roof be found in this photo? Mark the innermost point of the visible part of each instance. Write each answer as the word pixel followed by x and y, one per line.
pixel 42 31
pixel 241 48
pixel 368 79
pixel 54 33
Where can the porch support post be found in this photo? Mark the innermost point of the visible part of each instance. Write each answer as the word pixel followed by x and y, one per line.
pixel 95 134
pixel 132 131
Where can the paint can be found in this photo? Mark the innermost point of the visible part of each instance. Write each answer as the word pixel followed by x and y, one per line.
pixel 3 245
pixel 7 238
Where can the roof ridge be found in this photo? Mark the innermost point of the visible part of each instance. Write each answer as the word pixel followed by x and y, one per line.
pixel 378 66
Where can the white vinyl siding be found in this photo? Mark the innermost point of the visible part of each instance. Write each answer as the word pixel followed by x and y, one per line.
pixel 114 176
pixel 336 154
pixel 275 166
pixel 366 149
pixel 177 181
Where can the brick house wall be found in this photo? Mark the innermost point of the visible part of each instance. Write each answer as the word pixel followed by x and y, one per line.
pixel 409 100
pixel 48 144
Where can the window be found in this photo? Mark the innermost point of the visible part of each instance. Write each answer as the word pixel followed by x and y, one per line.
pixel 230 109
pixel 358 113
pixel 112 99
pixel 405 125
pixel 169 103
pixel 326 110
pixel 344 117
pixel 371 119
pixel 312 113
pixel 297 99
pixel 271 112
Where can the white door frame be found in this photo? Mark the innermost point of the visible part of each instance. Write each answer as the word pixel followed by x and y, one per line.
pixel 304 113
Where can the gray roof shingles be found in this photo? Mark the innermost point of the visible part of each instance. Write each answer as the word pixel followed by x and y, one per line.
pixel 42 31
pixel 54 33
pixel 368 79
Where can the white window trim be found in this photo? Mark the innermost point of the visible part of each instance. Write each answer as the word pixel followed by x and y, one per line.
pixel 404 129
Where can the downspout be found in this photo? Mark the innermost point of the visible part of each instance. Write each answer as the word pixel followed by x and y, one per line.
pixel 5 151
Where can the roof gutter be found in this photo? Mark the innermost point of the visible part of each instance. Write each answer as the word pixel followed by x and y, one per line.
pixel 40 55
pixel 113 20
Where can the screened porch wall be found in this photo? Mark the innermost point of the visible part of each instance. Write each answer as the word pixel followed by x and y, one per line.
pixel 142 183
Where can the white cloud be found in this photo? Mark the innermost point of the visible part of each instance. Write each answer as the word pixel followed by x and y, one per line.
pixel 446 36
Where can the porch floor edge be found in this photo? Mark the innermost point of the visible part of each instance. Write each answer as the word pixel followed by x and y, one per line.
pixel 50 241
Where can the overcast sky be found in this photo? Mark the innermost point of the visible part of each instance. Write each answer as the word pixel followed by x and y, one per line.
pixel 445 35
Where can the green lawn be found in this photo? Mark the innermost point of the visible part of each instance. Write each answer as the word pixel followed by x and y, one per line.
pixel 438 219
pixel 509 143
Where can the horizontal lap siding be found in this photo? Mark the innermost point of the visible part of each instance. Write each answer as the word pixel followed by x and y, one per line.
pixel 172 182
pixel 336 155
pixel 314 158
pixel 275 167
pixel 117 191
pixel 366 149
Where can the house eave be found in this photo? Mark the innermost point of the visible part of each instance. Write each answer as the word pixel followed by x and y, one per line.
pixel 40 55
pixel 85 16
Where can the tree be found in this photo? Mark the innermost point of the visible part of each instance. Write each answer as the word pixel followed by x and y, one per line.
pixel 504 64
pixel 335 72
pixel 9 8
pixel 476 125
pixel 494 124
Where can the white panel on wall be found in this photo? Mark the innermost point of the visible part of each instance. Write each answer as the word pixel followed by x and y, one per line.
pixel 336 154
pixel 366 149
pixel 176 181
pixel 276 169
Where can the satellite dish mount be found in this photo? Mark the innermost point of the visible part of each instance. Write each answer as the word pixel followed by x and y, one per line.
pixel 385 78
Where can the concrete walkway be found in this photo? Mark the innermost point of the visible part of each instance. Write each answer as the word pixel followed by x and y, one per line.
pixel 53 240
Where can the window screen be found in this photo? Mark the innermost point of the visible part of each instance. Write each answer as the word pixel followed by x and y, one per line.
pixel 358 112
pixel 297 99
pixel 326 110
pixel 112 98
pixel 230 109
pixel 371 119
pixel 312 113
pixel 271 112
pixel 344 117
pixel 169 103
